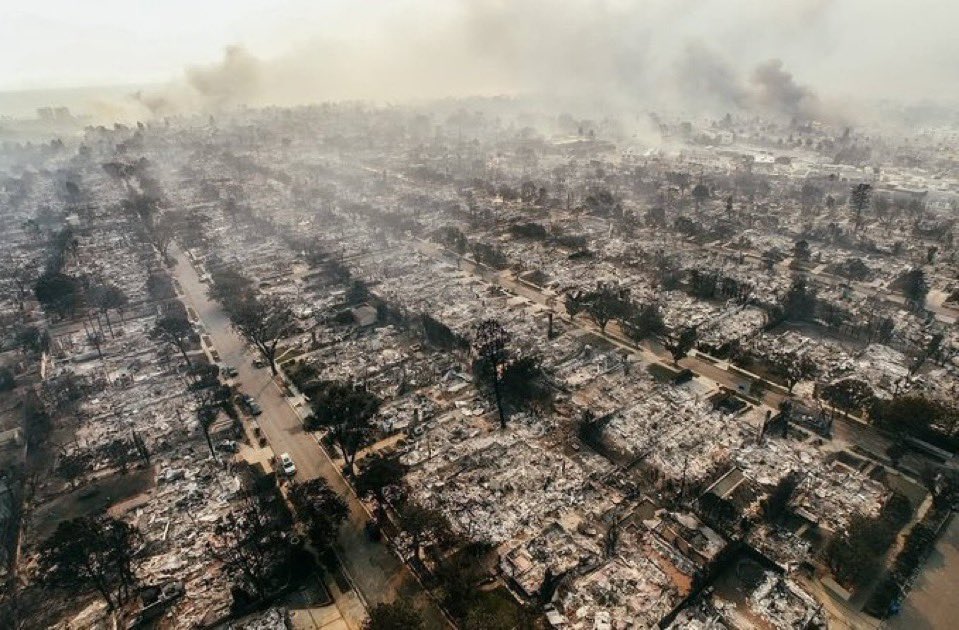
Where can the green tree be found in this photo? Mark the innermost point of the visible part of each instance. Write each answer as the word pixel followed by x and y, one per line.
pixel 423 524
pixel 378 472
pixel 228 285
pixel 645 321
pixel 264 323
pixel 90 552
pixel 793 367
pixel 918 417
pixel 346 410
pixel 59 293
pixel 915 287
pixel 33 339
pixel 700 194
pixel 681 342
pixel 321 510
pixel 574 303
pixel 175 331
pixel 800 301
pixel 7 380
pixel 252 543
pixel 523 383
pixel 849 394
pixel 605 305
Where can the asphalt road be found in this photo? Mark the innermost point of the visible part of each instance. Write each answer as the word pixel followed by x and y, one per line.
pixel 378 574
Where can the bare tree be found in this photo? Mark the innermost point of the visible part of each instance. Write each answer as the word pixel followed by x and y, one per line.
pixel 21 279
pixel 161 236
pixel 209 401
pixel 107 297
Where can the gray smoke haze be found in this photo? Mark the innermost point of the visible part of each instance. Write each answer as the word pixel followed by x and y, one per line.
pixel 704 77
pixel 235 79
pixel 778 92
pixel 792 59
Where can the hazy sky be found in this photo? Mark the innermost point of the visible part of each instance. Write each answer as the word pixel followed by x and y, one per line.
pixel 398 48
pixel 67 43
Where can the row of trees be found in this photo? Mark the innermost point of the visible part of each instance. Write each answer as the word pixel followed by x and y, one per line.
pixel 92 553
pixel 66 296
pixel 639 321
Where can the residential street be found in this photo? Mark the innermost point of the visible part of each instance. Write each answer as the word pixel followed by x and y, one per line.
pixel 378 574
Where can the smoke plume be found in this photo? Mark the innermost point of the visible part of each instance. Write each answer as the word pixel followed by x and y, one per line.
pixel 692 56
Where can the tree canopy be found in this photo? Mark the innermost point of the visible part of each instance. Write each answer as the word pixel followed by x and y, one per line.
pixel 91 552
pixel 59 293
pixel 175 331
pixel 321 510
pixel 263 322
pixel 346 410
pixel 398 615
pixel 681 342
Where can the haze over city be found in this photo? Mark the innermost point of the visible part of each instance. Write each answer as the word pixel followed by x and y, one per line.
pixel 479 314
pixel 691 53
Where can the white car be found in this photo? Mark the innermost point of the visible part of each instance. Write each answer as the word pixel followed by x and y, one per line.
pixel 286 462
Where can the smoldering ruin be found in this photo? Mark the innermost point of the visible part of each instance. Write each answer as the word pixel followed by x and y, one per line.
pixel 588 315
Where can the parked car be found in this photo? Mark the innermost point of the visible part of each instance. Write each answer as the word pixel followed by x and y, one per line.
pixel 229 371
pixel 286 463
pixel 259 363
pixel 251 405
